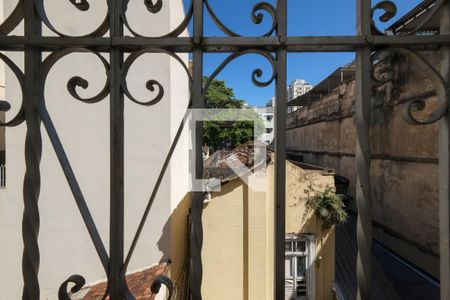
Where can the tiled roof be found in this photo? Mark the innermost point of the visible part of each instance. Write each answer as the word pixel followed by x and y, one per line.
pixel 138 282
pixel 222 162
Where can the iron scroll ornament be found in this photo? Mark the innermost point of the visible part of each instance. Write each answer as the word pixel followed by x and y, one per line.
pixel 151 84
pixel 156 8
pixel 417 105
pixel 441 87
pixel 76 81
pixel 78 283
pixel 13 19
pixel 19 118
pixel 256 74
pixel 256 16
pixel 73 84
pixel 82 5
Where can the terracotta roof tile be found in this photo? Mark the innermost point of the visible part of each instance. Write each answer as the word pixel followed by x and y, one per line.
pixel 138 282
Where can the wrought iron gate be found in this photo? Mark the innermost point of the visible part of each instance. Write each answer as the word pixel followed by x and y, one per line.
pixel 274 46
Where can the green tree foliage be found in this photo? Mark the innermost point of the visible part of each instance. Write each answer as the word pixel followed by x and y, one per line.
pixel 220 134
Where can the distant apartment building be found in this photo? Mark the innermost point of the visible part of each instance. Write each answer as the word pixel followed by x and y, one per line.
pixel 271 102
pixel 297 88
pixel 267 114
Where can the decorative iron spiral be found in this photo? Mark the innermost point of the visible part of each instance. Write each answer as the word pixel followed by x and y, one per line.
pixel 390 10
pixel 13 19
pixel 159 282
pixel 416 104
pixel 256 74
pixel 20 116
pixel 256 16
pixel 78 282
pixel 151 84
pixel 76 81
pixel 82 5
pixel 154 7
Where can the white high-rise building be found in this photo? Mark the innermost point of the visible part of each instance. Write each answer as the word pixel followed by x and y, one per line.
pixel 266 114
pixel 297 88
pixel 271 102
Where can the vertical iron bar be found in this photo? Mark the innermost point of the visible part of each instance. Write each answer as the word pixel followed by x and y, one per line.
pixel 116 239
pixel 280 150
pixel 196 237
pixel 363 152
pixel 33 151
pixel 444 165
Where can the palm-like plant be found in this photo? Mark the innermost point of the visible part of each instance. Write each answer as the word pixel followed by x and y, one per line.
pixel 328 206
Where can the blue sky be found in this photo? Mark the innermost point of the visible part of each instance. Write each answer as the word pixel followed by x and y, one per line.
pixel 305 18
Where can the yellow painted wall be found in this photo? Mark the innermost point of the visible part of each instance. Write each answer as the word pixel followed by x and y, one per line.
pixel 180 243
pixel 238 226
pixel 300 184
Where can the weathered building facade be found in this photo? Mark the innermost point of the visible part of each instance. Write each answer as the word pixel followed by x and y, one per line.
pixel 404 169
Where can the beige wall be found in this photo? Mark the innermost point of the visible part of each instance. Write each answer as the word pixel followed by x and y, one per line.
pixel 65 245
pixel 238 237
pixel 301 184
pixel 180 245
pixel 404 168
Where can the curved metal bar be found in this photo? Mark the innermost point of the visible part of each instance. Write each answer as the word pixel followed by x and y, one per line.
pixel 78 282
pixel 155 190
pixel 390 10
pixel 158 282
pixel 257 18
pixel 257 73
pixel 151 84
pixel 74 187
pixel 4 106
pixel 19 118
pixel 414 105
pixel 47 65
pixel 13 19
pixel 83 6
pixel 155 8
pixel 76 81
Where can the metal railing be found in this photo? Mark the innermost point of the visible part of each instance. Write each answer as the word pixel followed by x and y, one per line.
pixel 2 176
pixel 274 45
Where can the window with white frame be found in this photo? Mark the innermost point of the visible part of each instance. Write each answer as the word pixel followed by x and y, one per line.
pixel 299 267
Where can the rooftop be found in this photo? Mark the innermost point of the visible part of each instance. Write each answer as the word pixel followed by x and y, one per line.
pixel 414 18
pixel 138 282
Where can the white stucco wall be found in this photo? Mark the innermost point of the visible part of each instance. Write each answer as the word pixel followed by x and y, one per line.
pixel 84 130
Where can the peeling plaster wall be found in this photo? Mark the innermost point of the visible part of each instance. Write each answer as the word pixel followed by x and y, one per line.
pixel 404 167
